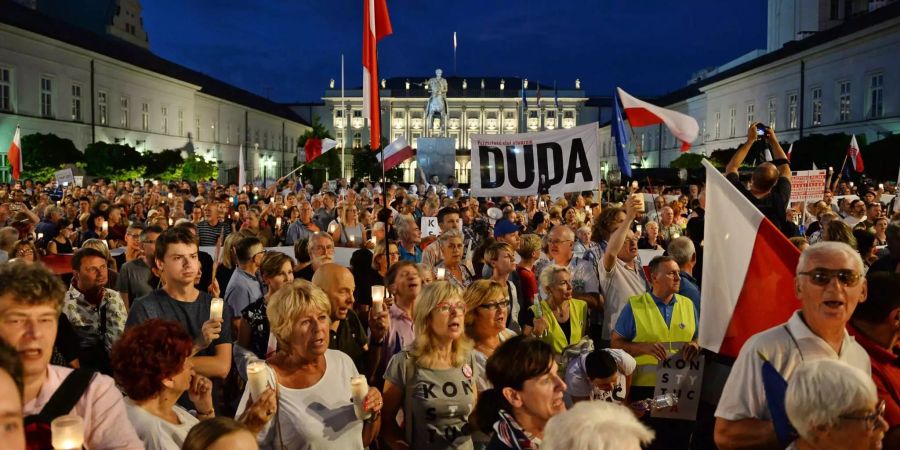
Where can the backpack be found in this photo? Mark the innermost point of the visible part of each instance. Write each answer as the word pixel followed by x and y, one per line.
pixel 37 426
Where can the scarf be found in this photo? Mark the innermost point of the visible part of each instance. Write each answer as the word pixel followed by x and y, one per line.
pixel 512 435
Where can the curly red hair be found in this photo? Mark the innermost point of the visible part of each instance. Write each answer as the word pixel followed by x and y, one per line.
pixel 147 354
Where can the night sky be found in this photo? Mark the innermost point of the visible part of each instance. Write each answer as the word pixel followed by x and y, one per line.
pixel 287 50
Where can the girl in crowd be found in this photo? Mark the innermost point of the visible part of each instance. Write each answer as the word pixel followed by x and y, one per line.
pixel 439 361
pixel 276 270
pixel 526 392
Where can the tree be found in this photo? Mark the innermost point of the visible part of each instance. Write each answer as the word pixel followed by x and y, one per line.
pixel 113 161
pixel 325 166
pixel 689 161
pixel 197 169
pixel 44 154
pixel 165 165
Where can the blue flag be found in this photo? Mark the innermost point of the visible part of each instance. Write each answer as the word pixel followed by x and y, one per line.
pixel 621 138
pixel 776 387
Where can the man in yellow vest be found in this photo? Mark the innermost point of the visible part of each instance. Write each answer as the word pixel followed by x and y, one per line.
pixel 652 327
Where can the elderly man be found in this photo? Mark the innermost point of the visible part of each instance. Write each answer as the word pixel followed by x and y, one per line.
pixel 876 326
pixel 621 274
pixel 213 227
pixel 304 227
pixel 410 237
pixel 49 226
pixel 829 284
pixel 770 185
pixel 347 332
pixel 668 229
pixel 683 252
pixel 585 285
pixel 652 327
pixel 856 214
pixel 320 247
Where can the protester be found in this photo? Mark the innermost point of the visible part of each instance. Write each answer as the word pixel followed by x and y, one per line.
pixel 404 283
pixel 12 427
pixel 220 433
pixel 487 308
pixel 26 251
pixel 245 285
pixel 456 272
pixel 500 256
pixel 529 251
pixel 596 426
pixel 321 251
pixel 134 278
pixel 410 237
pixel 621 274
pixel 603 374
pixel 439 361
pixel 682 251
pixel 254 332
pixel 560 320
pixel 348 232
pixel 890 262
pixel 651 240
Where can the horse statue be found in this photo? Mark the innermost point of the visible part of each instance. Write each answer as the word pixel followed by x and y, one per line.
pixel 437 103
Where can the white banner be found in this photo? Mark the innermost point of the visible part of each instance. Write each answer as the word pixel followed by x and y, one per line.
pixel 65 177
pixel 558 161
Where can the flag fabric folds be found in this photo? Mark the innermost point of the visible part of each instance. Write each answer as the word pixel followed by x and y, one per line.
pixel 315 147
pixel 376 25
pixel 621 139
pixel 15 154
pixel 555 95
pixel 242 172
pixel 753 266
pixel 395 153
pixel 776 387
pixel 855 155
pixel 641 113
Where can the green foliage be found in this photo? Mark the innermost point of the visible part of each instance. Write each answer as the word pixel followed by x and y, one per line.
pixel 365 164
pixel 826 150
pixel 165 165
pixel 45 154
pixel 688 161
pixel 196 169
pixel 113 161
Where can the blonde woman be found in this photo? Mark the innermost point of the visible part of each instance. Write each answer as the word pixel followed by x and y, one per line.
pixel 560 320
pixel 312 382
pixel 487 308
pixel 348 231
pixel 439 362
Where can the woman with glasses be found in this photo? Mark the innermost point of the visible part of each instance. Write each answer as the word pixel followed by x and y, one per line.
pixel 438 364
pixel 560 320
pixel 276 271
pixel 348 231
pixel 833 405
pixel 26 251
pixel 487 309
pixel 456 272
pixel 62 242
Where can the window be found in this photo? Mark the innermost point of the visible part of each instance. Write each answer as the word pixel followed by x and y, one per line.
pixel 181 122
pixel 751 113
pixel 101 107
pixel 731 121
pixel 792 117
pixel 718 121
pixel 164 111
pixel 816 106
pixel 145 116
pixel 844 101
pixel 357 140
pixel 876 96
pixel 124 105
pixel 46 97
pixel 5 89
pixel 76 103
pixel 773 112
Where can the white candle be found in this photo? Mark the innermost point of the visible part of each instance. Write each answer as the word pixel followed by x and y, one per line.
pixel 640 229
pixel 215 308
pixel 441 272
pixel 377 298
pixel 257 378
pixel 359 389
pixel 830 169
pixel 40 236
pixel 332 228
pixel 880 186
pixel 170 221
pixel 67 432
pixel 372 240
pixel 272 200
pixel 57 203
pixel 352 240
pixel 169 195
pixel 105 226
pixel 231 200
pixel 851 184
pixel 675 236
pixel 237 216
pixel 278 222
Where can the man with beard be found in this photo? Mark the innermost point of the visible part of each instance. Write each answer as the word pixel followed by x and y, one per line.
pixel 321 251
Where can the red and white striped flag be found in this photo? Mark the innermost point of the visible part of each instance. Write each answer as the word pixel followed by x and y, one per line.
pixel 641 113
pixel 396 153
pixel 316 147
pixel 750 265
pixel 376 25
pixel 855 155
pixel 15 154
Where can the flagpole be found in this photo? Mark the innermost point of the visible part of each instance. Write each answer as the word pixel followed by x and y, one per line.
pixel 343 118
pixel 839 173
pixel 454 53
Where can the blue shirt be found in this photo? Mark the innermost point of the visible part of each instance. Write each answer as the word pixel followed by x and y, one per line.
pixel 412 257
pixel 627 328
pixel 690 290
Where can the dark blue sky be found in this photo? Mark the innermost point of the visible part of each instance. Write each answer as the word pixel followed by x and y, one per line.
pixel 289 49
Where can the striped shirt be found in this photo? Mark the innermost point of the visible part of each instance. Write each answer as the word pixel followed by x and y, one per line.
pixel 209 234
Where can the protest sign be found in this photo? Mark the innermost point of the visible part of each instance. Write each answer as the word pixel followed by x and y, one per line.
pixel 429 226
pixel 683 379
pixel 807 185
pixel 64 176
pixel 556 162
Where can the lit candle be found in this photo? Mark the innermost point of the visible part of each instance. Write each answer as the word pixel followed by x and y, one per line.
pixel 40 236
pixel 215 308
pixel 675 236
pixel 257 378
pixel 67 432
pixel 640 229
pixel 170 221
pixel 359 389
pixel 57 203
pixel 441 272
pixel 278 222
pixel 372 240
pixel 352 240
pixel 851 184
pixel 231 200
pixel 830 169
pixel 272 200
pixel 105 226
pixel 332 228
pixel 169 195
pixel 377 298
pixel 237 216
pixel 880 186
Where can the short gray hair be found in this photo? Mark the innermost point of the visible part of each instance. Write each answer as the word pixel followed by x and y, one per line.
pixel 849 390
pixel 682 250
pixel 595 426
pixel 828 249
pixel 547 274
pixel 311 242
pixel 449 234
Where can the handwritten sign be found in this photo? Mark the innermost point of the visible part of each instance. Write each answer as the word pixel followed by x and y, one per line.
pixel 807 185
pixel 430 226
pixel 683 379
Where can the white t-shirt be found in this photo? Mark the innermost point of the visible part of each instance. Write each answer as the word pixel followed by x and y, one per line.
pixel 618 285
pixel 321 416
pixel 579 385
pixel 744 396
pixel 157 433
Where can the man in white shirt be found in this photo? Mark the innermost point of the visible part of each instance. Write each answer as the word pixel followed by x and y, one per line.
pixel 620 272
pixel 829 284
pixel 603 374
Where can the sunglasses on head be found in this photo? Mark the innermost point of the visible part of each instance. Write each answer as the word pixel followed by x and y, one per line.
pixel 822 277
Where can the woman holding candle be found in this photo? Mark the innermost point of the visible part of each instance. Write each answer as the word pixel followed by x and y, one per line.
pixel 348 231
pixel 440 357
pixel 95 228
pixel 276 270
pixel 313 382
pixel 451 242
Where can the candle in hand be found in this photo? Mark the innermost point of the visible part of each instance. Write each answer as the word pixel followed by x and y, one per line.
pixel 257 378
pixel 359 389
pixel 441 272
pixel 352 240
pixel 215 308
pixel 105 226
pixel 377 298
pixel 67 432
pixel 278 222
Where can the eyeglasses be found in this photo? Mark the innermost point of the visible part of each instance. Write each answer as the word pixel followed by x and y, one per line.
pixel 503 304
pixel 134 235
pixel 822 277
pixel 25 252
pixel 560 241
pixel 871 419
pixel 445 308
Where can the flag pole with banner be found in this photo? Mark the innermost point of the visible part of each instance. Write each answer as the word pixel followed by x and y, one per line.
pixel 15 155
pixel 618 133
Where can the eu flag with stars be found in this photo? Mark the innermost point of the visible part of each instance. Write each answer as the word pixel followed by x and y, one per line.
pixel 621 139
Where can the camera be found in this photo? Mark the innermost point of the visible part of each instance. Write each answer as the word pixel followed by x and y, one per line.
pixel 761 132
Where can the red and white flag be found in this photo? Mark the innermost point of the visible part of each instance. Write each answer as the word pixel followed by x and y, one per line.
pixel 641 113
pixel 376 25
pixel 15 154
pixel 396 153
pixel 315 147
pixel 748 269
pixel 855 155
pixel 790 149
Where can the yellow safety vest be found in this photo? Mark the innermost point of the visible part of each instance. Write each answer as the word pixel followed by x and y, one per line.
pixel 555 336
pixel 651 327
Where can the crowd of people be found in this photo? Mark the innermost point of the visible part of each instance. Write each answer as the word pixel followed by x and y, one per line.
pixel 200 315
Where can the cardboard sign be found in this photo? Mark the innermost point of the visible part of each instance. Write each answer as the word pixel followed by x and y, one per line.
pixel 429 226
pixel 684 380
pixel 807 185
pixel 65 176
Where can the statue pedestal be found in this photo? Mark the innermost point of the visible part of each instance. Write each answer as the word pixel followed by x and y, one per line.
pixel 436 156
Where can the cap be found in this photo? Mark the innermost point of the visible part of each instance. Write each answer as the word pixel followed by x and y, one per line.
pixel 504 227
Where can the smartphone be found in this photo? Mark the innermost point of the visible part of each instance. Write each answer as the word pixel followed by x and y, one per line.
pixel 761 131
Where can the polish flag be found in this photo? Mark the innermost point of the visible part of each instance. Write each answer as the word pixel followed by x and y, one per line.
pixel 641 113
pixel 376 25
pixel 242 169
pixel 748 269
pixel 790 149
pixel 316 147
pixel 395 153
pixel 15 154
pixel 855 155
